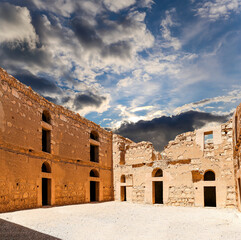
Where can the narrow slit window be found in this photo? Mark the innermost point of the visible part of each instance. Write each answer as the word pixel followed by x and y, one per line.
pixel 94 153
pixel 236 129
pixel 46 141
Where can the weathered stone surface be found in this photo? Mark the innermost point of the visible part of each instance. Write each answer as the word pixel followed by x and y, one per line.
pixel 21 155
pixel 236 138
pixel 183 162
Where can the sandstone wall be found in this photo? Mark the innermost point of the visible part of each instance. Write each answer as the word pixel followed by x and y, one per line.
pixel 237 152
pixel 21 155
pixel 184 162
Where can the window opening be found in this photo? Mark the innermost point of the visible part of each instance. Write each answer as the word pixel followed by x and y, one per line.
pixel 94 173
pixel 46 141
pixel 94 135
pixel 46 116
pixel 209 176
pixel 94 153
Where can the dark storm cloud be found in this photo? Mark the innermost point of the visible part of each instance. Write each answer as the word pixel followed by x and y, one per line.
pixel 53 100
pixel 22 53
pixel 92 36
pixel 86 33
pixel 8 13
pixel 120 49
pixel 65 99
pixel 38 84
pixel 87 99
pixel 19 42
pixel 161 130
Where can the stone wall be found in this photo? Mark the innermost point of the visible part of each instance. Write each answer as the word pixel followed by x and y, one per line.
pixel 184 162
pixel 21 155
pixel 237 152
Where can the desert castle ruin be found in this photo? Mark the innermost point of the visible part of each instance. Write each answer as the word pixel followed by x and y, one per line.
pixel 51 156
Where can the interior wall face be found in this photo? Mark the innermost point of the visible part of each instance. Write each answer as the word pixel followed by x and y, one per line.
pixel 22 155
pixel 237 152
pixel 184 162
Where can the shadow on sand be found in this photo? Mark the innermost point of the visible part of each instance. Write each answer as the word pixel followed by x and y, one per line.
pixel 12 231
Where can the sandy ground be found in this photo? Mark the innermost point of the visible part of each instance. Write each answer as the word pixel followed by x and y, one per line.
pixel 117 221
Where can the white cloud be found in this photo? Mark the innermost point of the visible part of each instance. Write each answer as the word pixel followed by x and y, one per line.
pixel 232 96
pixel 62 7
pixel 18 28
pixel 129 114
pixel 143 108
pixel 166 32
pixel 117 5
pixel 218 8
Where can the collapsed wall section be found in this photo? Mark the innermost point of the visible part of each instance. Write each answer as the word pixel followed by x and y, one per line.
pixel 131 162
pixel 181 168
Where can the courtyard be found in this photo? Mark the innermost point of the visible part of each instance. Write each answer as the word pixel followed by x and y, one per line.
pixel 121 220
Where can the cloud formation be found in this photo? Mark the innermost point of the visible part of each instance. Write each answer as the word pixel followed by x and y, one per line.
pixel 232 96
pixel 166 23
pixel 87 99
pixel 218 8
pixel 161 130
pixel 38 84
pixel 15 25
pixel 124 60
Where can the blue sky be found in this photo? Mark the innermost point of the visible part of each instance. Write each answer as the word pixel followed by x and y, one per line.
pixel 126 61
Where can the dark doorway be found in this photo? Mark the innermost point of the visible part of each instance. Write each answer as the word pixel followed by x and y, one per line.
pixel 123 193
pixel 210 196
pixel 94 191
pixel 158 188
pixel 239 186
pixel 46 191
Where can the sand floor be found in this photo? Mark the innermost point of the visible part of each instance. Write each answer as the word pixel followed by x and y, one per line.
pixel 122 220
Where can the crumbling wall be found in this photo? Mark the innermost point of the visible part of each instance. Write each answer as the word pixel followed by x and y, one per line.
pixel 184 162
pixel 138 157
pixel 215 155
pixel 21 155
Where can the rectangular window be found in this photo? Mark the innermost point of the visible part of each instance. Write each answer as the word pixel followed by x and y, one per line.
pixel 208 138
pixel 46 141
pixel 236 129
pixel 94 153
pixel 122 158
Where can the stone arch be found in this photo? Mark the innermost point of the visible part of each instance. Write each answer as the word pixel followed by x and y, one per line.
pixel 209 175
pixel 157 172
pixel 46 117
pixel 94 173
pixel 46 167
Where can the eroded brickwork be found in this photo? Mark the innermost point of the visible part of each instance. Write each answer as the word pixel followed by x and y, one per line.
pixel 184 162
pixel 21 155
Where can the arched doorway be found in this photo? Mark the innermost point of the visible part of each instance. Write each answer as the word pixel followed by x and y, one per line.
pixel 209 191
pixel 157 186
pixel 46 185
pixel 123 188
pixel 94 186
